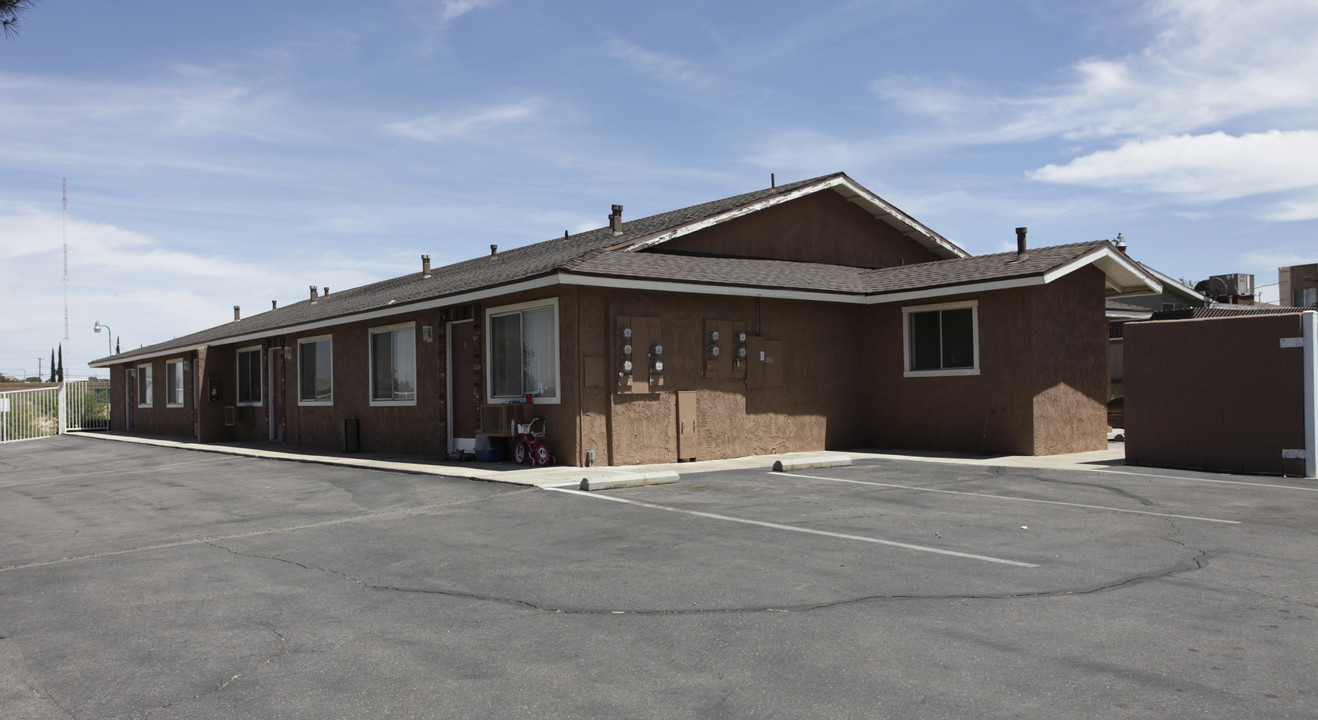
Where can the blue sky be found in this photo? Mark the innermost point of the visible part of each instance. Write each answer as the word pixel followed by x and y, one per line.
pixel 233 154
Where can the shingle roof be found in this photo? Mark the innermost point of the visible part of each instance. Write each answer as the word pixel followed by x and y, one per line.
pixel 509 266
pixel 1113 305
pixel 601 253
pixel 818 277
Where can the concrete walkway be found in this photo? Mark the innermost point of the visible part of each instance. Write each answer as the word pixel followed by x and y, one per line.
pixel 566 475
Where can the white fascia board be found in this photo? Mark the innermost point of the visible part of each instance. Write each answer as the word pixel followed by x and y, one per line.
pixel 947 290
pixel 878 206
pixel 1129 315
pixel 840 297
pixel 1125 277
pixel 390 311
pixel 731 215
pixel 703 289
pixel 859 195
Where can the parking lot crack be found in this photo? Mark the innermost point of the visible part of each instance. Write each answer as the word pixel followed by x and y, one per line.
pixel 1109 488
pixel 222 685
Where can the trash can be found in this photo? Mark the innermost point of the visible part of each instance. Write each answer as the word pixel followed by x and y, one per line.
pixel 351 436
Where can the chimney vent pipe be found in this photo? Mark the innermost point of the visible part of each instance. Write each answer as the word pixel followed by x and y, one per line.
pixel 324 292
pixel 1121 243
pixel 313 293
pixel 274 304
pixel 1022 252
pixel 494 250
pixel 236 316
pixel 425 266
pixel 615 220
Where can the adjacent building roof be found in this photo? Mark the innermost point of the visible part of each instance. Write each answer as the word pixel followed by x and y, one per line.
pixel 1170 285
pixel 634 258
pixel 1220 310
pixel 1117 310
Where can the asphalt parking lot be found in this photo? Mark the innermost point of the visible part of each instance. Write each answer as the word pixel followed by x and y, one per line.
pixel 146 582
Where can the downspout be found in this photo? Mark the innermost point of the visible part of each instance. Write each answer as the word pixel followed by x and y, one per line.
pixel 581 437
pixel 1309 323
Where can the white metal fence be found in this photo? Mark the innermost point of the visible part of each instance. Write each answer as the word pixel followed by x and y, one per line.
pixel 43 412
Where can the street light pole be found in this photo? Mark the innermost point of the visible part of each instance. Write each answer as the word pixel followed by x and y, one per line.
pixel 108 346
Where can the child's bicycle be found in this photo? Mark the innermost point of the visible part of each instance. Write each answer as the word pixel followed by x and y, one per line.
pixel 531 449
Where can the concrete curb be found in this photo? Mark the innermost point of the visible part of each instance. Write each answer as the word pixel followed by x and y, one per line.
pixel 622 480
pixel 813 461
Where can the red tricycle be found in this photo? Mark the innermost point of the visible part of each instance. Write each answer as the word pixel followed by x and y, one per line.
pixel 531 449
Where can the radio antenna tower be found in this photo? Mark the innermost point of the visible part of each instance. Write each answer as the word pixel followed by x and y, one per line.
pixel 64 227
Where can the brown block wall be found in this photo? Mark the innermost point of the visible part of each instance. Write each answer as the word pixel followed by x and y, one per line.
pixel 1042 380
pixel 1215 394
pixel 815 407
pixel 1070 364
pixel 158 419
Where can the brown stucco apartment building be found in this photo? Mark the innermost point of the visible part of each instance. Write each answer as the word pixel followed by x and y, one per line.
pixel 799 317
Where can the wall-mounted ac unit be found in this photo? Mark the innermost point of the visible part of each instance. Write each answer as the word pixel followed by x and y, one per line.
pixel 230 415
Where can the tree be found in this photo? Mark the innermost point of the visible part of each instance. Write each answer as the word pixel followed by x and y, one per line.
pixel 59 374
pixel 9 12
pixel 52 365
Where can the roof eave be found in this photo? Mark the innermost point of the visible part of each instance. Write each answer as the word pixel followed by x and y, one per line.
pixel 1172 285
pixel 1123 277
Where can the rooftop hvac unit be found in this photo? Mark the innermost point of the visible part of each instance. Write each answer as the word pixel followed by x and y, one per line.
pixel 1232 284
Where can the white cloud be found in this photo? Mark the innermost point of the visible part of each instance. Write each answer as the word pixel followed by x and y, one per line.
pixel 1295 209
pixel 665 68
pixel 144 291
pixel 1274 259
pixel 443 127
pixel 1220 104
pixel 456 8
pixel 1210 167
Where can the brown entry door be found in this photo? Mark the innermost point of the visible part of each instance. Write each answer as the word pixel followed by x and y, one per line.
pixel 462 386
pixel 686 426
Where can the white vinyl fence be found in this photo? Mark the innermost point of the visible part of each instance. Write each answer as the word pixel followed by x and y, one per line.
pixel 44 412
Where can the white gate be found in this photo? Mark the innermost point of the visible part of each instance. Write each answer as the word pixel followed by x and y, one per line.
pixel 43 412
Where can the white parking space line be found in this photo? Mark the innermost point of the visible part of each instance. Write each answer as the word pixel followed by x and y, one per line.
pixel 791 528
pixel 1210 480
pixel 1012 499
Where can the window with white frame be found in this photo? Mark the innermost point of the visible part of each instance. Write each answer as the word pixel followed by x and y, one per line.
pixel 523 351
pixel 941 339
pixel 144 386
pixel 174 383
pixel 249 376
pixel 393 365
pixel 315 371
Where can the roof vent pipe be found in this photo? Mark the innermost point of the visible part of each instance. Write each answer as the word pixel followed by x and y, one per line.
pixel 274 304
pixel 236 316
pixel 494 250
pixel 1121 243
pixel 313 293
pixel 1022 253
pixel 324 292
pixel 425 266
pixel 615 220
